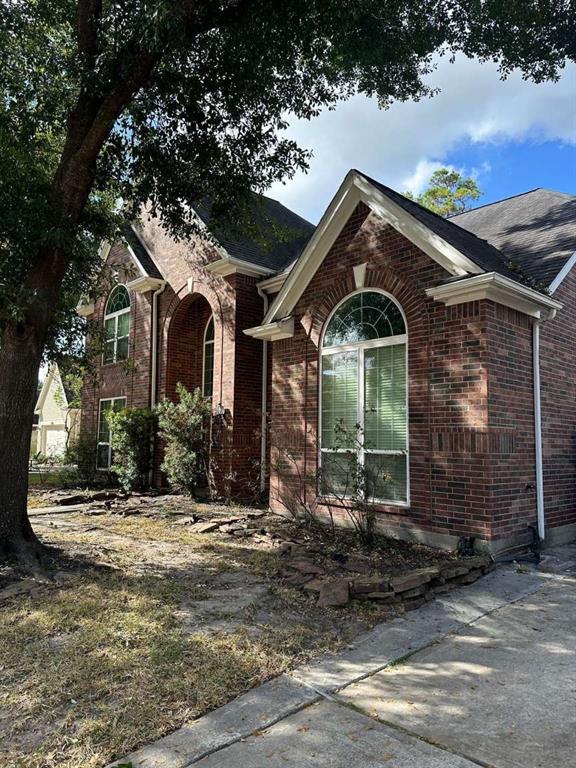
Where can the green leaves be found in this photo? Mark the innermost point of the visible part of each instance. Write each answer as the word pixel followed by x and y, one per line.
pixel 167 103
pixel 448 193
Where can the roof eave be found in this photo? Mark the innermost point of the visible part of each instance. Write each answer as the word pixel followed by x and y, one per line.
pixel 229 265
pixel 502 290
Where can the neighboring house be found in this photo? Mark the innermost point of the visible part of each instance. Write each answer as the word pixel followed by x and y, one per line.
pixel 56 424
pixel 451 342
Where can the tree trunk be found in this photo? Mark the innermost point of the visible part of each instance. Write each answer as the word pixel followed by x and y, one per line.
pixel 20 358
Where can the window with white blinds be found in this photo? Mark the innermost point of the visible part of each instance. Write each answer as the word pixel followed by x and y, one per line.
pixel 364 398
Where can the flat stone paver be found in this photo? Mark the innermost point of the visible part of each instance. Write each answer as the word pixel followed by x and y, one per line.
pixel 327 734
pixel 502 691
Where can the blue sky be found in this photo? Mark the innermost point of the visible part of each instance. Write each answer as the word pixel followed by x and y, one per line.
pixel 511 135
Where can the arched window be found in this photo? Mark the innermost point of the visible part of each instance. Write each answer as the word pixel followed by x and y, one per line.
pixel 117 325
pixel 208 359
pixel 364 400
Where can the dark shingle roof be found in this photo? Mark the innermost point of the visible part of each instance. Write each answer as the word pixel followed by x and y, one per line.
pixel 277 239
pixel 141 253
pixel 536 230
pixel 479 251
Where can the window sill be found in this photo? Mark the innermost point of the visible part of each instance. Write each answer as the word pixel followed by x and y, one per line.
pixel 379 504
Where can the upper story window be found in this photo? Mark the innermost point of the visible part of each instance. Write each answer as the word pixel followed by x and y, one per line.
pixel 364 399
pixel 117 325
pixel 208 359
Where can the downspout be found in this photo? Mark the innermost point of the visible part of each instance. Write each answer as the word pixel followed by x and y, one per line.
pixel 154 364
pixel 264 425
pixel 538 431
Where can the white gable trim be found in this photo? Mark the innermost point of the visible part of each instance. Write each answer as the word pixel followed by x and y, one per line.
pixel 498 288
pixel 562 274
pixel 353 190
pixel 52 378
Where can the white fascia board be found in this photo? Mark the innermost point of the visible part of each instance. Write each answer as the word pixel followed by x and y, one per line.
pixel 273 284
pixel 432 244
pixel 145 284
pixel 228 265
pixel 280 329
pixel 497 288
pixel 353 190
pixel 325 234
pixel 563 273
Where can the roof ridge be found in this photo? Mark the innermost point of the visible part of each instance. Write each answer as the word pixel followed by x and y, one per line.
pixel 502 200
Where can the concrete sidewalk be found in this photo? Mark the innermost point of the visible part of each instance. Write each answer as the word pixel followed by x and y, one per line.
pixel 490 680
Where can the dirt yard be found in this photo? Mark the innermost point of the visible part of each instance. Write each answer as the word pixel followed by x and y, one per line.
pixel 160 610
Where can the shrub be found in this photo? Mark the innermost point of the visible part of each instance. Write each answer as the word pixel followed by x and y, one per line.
pixel 85 450
pixel 131 431
pixel 185 429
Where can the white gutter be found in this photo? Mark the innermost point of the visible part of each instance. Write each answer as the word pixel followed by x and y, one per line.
pixel 538 431
pixel 264 425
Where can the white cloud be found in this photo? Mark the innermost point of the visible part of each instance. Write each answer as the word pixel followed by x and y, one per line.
pixel 400 145
pixel 416 181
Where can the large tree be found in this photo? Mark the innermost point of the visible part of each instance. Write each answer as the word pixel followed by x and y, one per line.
pixel 166 101
pixel 448 192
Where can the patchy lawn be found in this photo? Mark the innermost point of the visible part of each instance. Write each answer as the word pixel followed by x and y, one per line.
pixel 150 623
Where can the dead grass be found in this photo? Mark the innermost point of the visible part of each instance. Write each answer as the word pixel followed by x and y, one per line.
pixel 103 665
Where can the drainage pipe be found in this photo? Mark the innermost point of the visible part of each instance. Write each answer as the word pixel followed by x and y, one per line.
pixel 154 365
pixel 538 431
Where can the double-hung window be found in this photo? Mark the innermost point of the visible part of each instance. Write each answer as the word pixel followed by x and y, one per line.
pixel 364 399
pixel 117 325
pixel 104 454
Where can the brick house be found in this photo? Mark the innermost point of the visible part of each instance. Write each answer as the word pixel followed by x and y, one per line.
pixel 448 345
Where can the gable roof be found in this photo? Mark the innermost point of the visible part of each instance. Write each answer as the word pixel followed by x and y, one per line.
pixel 464 240
pixel 535 230
pixel 52 379
pixel 278 239
pixel 460 252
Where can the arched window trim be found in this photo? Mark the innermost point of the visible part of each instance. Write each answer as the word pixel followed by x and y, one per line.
pixel 360 346
pixel 205 343
pixel 114 316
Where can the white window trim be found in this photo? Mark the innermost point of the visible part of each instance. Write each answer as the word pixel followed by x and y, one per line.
pixel 115 316
pixel 204 345
pixel 360 347
pixel 101 442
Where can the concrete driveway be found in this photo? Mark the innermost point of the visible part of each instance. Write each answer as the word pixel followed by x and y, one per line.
pixel 485 676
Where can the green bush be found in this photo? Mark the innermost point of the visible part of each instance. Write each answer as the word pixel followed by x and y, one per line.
pixel 131 431
pixel 185 429
pixel 85 450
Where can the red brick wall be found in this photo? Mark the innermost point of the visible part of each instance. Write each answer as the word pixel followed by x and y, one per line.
pixel 183 313
pixel 512 499
pixel 558 375
pixel 129 379
pixel 471 428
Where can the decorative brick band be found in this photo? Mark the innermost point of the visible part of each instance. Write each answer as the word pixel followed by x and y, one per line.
pixel 474 441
